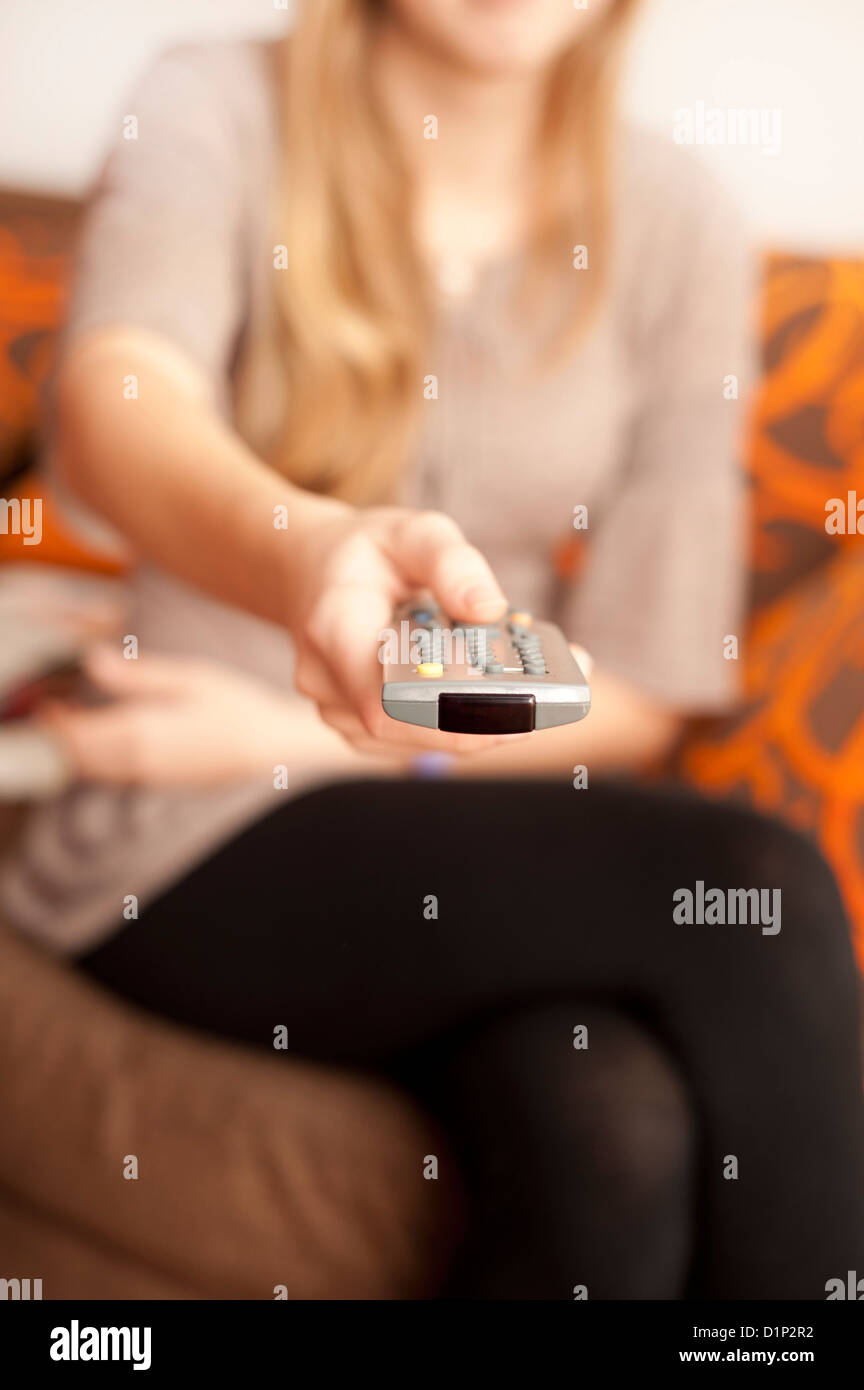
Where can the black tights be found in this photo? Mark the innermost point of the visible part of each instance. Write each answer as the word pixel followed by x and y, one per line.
pixel 580 1164
pixel 707 1142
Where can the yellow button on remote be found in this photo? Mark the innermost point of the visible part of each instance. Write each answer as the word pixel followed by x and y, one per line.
pixel 519 619
pixel 430 668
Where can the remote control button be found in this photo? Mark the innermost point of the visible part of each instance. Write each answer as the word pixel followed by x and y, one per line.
pixel 421 615
pixel 430 668
pixel 519 619
pixel 493 668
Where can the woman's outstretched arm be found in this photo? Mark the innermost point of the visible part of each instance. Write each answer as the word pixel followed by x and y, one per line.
pixel 187 493
pixel 172 476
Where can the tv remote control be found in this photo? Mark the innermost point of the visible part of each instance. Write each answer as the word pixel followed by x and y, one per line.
pixel 508 677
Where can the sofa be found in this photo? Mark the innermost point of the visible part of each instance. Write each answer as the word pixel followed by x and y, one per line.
pixel 254 1184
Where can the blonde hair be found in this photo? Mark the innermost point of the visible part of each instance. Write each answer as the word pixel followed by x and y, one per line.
pixel 352 299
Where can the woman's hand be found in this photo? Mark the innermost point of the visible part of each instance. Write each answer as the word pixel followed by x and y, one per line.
pixel 332 575
pixel 176 723
pixel 350 573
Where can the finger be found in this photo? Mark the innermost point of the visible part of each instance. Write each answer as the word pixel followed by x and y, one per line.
pixel 431 552
pixel 395 735
pixel 118 675
pixel 314 679
pixel 344 629
pixel 98 743
pixel 349 728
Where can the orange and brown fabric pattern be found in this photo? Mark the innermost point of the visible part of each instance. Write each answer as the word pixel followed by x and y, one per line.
pixel 37 238
pixel 796 746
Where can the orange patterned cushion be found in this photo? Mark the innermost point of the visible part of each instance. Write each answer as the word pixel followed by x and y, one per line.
pixel 796 746
pixel 36 243
pixel 808 439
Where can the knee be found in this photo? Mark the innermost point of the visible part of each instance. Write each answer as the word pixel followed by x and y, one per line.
pixel 754 848
pixel 812 928
pixel 634 1103
pixel 607 1100
pixel 749 851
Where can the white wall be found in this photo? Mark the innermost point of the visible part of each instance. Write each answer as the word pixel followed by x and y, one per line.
pixel 68 63
pixel 805 57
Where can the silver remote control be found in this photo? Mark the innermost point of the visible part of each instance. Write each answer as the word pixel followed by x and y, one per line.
pixel 508 677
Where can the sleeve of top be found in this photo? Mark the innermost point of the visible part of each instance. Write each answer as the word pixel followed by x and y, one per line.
pixel 663 586
pixel 159 247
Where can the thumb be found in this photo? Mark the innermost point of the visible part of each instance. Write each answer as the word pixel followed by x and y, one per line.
pixel 431 552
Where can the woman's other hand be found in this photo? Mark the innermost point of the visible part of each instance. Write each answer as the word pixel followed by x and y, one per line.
pixel 173 722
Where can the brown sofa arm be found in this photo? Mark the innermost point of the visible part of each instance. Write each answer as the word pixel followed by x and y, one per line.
pixel 254 1172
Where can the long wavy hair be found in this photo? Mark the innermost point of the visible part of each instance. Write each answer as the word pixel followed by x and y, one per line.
pixel 352 300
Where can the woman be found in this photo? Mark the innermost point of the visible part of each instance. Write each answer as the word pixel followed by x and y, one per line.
pixel 380 310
